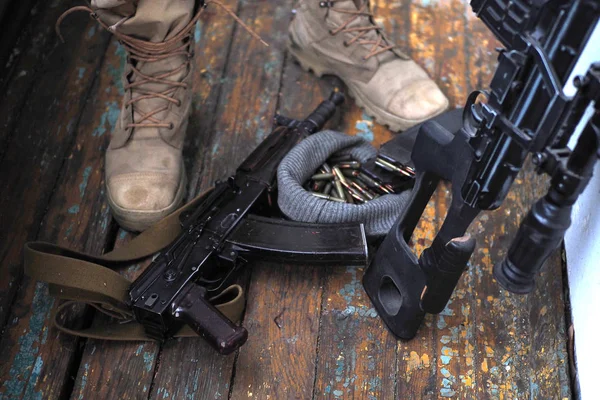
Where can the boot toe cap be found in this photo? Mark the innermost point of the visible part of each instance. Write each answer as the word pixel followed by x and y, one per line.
pixel 145 193
pixel 418 101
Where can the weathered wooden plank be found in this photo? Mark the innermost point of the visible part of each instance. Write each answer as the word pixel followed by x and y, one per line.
pixel 483 353
pixel 355 349
pixel 30 56
pixel 126 370
pixel 284 302
pixel 36 359
pixel 213 36
pixel 105 368
pixel 42 137
pixel 116 370
pixel 457 349
pixel 246 106
pixel 507 324
pixel 442 52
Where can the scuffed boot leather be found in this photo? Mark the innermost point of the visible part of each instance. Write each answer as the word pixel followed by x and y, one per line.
pixel 339 37
pixel 145 176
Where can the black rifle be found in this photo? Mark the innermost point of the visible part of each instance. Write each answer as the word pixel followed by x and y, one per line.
pixel 537 98
pixel 221 235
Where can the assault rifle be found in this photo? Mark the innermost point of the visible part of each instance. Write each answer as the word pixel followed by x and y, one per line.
pixel 545 88
pixel 226 231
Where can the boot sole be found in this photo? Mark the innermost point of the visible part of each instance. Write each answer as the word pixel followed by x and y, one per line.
pixel 383 117
pixel 139 221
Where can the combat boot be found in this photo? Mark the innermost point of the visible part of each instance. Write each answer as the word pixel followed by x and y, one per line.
pixel 145 176
pixel 339 37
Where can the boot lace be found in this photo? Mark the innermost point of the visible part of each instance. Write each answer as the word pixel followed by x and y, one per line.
pixel 381 45
pixel 145 51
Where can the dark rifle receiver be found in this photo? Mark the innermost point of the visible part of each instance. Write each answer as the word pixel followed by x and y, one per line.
pixel 532 108
pixel 223 233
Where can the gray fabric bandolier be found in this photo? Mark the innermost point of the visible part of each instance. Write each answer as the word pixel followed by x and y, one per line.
pixel 302 161
pixel 92 280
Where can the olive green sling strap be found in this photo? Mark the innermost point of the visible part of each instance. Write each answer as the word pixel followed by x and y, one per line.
pixel 84 278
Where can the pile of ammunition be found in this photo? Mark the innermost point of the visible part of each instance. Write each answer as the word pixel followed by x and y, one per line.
pixel 343 179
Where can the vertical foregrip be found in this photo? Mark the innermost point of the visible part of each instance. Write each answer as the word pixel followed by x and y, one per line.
pixel 443 265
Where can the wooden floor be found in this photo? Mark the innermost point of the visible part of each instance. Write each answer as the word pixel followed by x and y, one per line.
pixel 313 333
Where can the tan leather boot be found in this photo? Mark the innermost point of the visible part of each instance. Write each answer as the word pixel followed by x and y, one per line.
pixel 339 37
pixel 145 176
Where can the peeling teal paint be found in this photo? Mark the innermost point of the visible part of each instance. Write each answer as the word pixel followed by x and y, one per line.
pixel 74 209
pixel 69 230
pixel 441 324
pixel 215 148
pixel 86 177
pixel 84 376
pixel 444 392
pixel 362 311
pixel 24 364
pixel 272 67
pixel 534 389
pixel 117 71
pixel 365 127
pixel 148 361
pixel 337 393
pixel 327 389
pixel 80 72
pixel 110 116
pixel 447 311
pixel 35 373
pixel 374 384
pixel 349 290
pixel 198 32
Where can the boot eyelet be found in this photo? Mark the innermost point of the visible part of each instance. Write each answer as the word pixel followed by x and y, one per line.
pixel 171 126
pixel 331 32
pixel 346 44
pixel 178 104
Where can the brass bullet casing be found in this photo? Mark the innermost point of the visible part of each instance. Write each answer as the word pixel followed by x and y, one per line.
pixel 373 194
pixel 391 167
pixel 339 174
pixel 318 186
pixel 339 189
pixel 342 179
pixel 372 183
pixel 322 177
pixel 349 165
pixel 353 192
pixel 325 197
pixel 348 173
pixel 349 198
pixel 407 169
pixel 362 191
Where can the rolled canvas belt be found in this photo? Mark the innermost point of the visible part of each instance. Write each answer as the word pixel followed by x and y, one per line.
pixel 92 280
